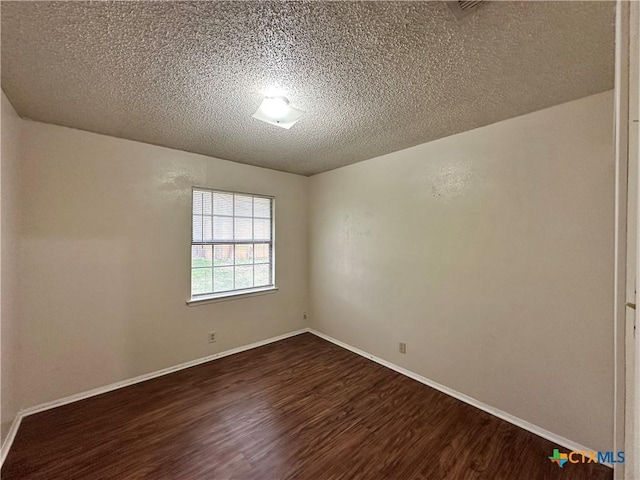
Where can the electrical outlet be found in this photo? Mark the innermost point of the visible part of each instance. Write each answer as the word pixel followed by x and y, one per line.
pixel 402 347
pixel 212 337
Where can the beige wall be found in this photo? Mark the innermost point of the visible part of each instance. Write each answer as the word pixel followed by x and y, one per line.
pixel 491 254
pixel 9 283
pixel 106 256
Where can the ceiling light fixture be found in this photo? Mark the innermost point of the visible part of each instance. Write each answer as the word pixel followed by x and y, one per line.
pixel 275 107
pixel 278 112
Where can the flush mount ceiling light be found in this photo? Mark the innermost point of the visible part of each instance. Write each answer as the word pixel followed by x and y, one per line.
pixel 278 112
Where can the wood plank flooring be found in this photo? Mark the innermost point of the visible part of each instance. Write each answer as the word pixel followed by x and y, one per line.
pixel 300 408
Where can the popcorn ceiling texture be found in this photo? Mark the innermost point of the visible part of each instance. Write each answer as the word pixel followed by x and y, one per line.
pixel 375 77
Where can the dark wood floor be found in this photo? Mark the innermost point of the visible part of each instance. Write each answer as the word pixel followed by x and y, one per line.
pixel 301 408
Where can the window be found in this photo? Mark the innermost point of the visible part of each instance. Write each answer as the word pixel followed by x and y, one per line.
pixel 231 243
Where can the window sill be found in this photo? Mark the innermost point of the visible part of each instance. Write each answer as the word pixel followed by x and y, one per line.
pixel 221 297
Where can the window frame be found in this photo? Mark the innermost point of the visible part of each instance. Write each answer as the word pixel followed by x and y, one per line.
pixel 241 292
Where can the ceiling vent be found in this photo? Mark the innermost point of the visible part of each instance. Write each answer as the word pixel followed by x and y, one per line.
pixel 462 8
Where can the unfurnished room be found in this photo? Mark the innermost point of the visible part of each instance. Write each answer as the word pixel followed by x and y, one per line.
pixel 264 240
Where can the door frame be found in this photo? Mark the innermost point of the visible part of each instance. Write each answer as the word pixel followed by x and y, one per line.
pixel 626 268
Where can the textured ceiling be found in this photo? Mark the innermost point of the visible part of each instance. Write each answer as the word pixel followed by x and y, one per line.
pixel 374 77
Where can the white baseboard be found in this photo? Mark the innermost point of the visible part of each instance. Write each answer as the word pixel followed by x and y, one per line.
pixel 569 444
pixel 518 422
pixel 8 441
pixel 6 445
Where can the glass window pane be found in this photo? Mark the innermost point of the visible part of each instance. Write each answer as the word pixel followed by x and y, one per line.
pixel 244 276
pixel 200 256
pixel 222 255
pixel 262 275
pixel 222 279
pixel 197 228
pixel 206 229
pixel 262 207
pixel 206 203
pixel 223 228
pixel 244 254
pixel 222 203
pixel 197 203
pixel 261 253
pixel 243 206
pixel 243 229
pixel 261 229
pixel 201 281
